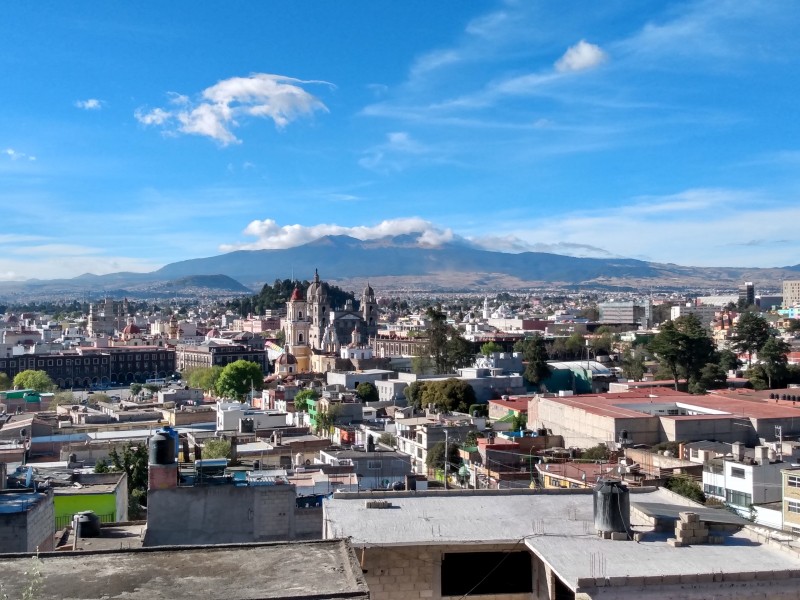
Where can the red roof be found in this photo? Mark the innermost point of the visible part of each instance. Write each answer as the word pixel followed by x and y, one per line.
pixel 297 295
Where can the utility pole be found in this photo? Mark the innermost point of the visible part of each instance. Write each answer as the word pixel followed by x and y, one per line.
pixel 446 461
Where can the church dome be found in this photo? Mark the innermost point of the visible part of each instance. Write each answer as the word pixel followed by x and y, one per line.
pixel 296 295
pixel 286 359
pixel 368 291
pixel 131 329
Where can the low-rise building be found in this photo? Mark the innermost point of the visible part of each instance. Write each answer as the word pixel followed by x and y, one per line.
pixel 28 521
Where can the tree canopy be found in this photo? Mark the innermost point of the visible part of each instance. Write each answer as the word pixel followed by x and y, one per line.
pixel 435 457
pixel 204 378
pixel 217 448
pixel 448 350
pixel 683 347
pixel 302 398
pixel 535 356
pixel 773 359
pixel 238 378
pixel 490 348
pixel 5 382
pixel 449 395
pixel 278 294
pixel 750 334
pixel 367 391
pixel 34 380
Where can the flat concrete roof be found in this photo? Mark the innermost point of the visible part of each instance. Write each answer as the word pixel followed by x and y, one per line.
pixel 556 525
pixel 322 569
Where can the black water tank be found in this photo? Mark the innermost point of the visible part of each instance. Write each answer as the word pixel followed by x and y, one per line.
pixel 612 509
pixel 162 450
pixel 88 524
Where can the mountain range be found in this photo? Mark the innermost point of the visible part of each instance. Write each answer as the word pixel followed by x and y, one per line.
pixel 392 263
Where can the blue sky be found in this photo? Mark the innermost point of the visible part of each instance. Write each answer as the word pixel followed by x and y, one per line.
pixel 137 134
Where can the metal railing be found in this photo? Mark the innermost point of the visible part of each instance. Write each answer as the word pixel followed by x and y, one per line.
pixel 64 520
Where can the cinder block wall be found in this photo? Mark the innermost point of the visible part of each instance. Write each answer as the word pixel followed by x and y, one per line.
pixel 414 572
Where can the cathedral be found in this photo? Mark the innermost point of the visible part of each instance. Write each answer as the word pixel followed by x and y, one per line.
pixel 314 327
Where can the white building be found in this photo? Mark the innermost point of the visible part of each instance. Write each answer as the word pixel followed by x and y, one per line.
pixel 233 416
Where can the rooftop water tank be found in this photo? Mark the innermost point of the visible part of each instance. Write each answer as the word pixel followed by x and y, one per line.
pixel 161 449
pixel 612 509
pixel 88 524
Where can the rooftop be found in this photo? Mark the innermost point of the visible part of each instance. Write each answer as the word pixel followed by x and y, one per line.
pixel 556 525
pixel 225 571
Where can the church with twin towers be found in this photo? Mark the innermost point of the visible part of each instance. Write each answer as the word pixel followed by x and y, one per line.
pixel 314 327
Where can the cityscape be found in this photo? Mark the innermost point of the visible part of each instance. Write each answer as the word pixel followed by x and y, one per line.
pixel 399 301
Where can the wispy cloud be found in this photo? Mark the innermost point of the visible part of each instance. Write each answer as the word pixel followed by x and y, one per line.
pixel 17 155
pixel 223 106
pixel 89 104
pixel 398 152
pixel 271 235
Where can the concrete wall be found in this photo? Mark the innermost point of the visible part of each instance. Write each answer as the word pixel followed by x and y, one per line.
pixel 413 572
pixel 31 530
pixel 308 523
pixel 221 514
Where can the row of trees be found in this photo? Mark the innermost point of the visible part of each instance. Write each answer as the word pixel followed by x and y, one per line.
pixel 449 395
pixel 685 351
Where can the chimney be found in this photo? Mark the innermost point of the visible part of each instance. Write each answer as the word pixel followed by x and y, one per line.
pixel 737 449
pixel 762 455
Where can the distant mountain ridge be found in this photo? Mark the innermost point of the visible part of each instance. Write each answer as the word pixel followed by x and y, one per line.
pixel 401 262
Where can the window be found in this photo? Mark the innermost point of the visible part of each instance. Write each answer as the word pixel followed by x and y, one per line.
pixel 793 506
pixel 713 490
pixel 694 452
pixel 737 472
pixel 793 481
pixel 373 464
pixel 738 498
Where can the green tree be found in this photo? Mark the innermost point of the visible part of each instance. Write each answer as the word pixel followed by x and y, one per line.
pixel 728 360
pixel 599 452
pixel 152 388
pixel 472 438
pixel 449 395
pixel 204 378
pixel 686 487
pixel 421 365
pixel 133 462
pixel 435 457
pixel 136 389
pixel 446 347
pixel 750 334
pixel 62 398
pixel 367 391
pixel 490 348
pixel 633 365
pixel 238 378
pixel 576 344
pixel 326 419
pixel 534 354
pixel 711 377
pixel 101 466
pixel 414 393
pixel 216 448
pixel 302 399
pixel 387 439
pixel 34 380
pixel 519 421
pixel 5 382
pixel 773 359
pixel 683 347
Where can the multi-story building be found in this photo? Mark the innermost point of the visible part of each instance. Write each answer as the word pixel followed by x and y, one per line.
pixel 626 312
pixel 791 293
pixel 704 313
pixel 96 366
pixel 747 293
pixel 791 499
pixel 107 317
pixel 217 353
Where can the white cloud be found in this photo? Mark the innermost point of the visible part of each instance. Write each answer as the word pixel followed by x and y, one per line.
pixel 55 250
pixel 433 61
pixel 580 57
pixel 270 235
pixel 89 104
pixel 396 153
pixel 222 106
pixel 17 155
